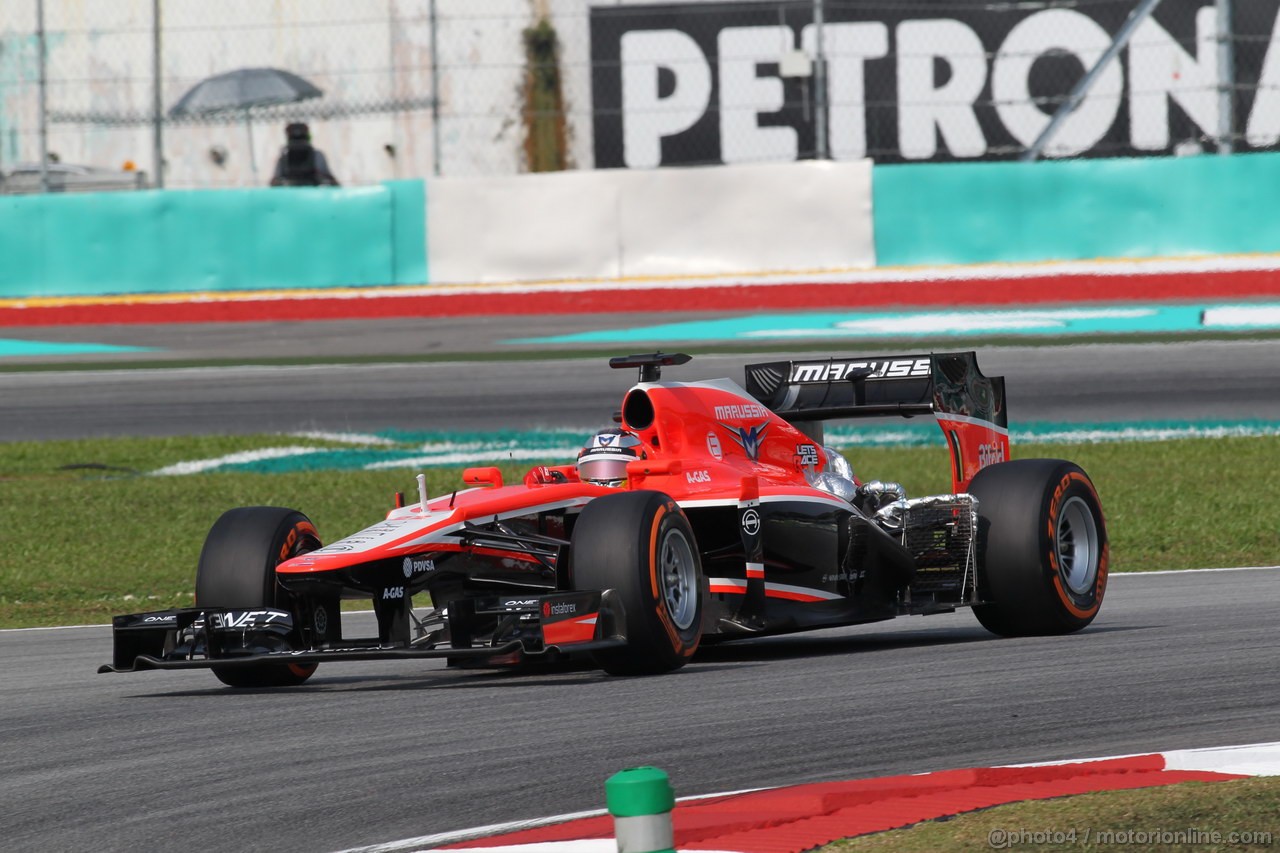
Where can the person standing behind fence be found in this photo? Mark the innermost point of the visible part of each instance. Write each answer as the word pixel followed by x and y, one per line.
pixel 300 163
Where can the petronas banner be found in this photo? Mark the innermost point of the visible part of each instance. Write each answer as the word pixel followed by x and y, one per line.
pixel 735 82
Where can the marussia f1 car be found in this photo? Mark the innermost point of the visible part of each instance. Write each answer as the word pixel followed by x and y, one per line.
pixel 734 520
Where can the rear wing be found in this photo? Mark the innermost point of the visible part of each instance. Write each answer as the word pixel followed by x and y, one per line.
pixel 969 407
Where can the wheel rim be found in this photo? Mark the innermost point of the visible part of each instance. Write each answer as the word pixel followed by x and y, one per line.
pixel 678 574
pixel 1077 545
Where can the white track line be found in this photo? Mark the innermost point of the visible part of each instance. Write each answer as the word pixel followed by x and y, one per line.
pixel 1114 575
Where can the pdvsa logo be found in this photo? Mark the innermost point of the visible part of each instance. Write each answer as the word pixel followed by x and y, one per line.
pixel 417 566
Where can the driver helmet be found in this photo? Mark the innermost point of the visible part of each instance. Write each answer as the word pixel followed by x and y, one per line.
pixel 603 461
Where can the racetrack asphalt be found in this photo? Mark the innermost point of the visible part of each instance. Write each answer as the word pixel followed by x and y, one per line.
pixel 1089 383
pixel 376 752
pixel 380 751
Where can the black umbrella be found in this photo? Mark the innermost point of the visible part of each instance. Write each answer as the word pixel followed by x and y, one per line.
pixel 244 89
pixel 241 91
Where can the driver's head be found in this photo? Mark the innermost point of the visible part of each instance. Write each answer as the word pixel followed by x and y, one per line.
pixel 604 459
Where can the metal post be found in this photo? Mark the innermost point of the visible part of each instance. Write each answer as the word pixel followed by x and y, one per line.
pixel 42 61
pixel 393 90
pixel 435 94
pixel 157 108
pixel 819 83
pixel 1136 17
pixel 1226 78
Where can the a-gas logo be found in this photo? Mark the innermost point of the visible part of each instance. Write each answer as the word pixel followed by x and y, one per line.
pixel 990 454
pixel 701 475
pixel 392 592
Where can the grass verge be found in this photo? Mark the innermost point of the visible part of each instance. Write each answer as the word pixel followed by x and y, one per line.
pixel 1192 816
pixel 87 533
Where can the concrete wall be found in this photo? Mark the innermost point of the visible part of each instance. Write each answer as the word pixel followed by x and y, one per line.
pixel 661 222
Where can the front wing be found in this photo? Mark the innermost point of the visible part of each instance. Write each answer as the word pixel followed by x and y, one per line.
pixel 198 638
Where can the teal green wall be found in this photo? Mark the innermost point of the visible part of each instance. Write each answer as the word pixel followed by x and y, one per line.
pixel 964 213
pixel 408 231
pixel 171 241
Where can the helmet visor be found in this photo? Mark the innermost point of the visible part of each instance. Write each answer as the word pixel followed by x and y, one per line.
pixel 603 468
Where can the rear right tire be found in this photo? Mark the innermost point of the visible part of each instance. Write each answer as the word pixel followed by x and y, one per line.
pixel 1043 552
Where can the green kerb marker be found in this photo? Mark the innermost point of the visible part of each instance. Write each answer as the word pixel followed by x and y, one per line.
pixel 640 800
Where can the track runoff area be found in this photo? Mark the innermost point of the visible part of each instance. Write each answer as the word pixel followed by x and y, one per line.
pixel 1231 294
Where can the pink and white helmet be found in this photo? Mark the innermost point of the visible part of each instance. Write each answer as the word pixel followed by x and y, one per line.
pixel 603 461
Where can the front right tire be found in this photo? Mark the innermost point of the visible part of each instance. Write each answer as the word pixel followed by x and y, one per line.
pixel 237 570
pixel 641 546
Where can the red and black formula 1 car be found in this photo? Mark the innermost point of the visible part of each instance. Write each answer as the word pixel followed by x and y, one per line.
pixel 712 512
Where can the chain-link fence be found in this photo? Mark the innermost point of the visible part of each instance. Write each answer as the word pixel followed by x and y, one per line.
pixel 487 87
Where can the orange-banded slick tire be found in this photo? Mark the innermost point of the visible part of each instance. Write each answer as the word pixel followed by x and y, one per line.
pixel 237 569
pixel 641 546
pixel 1043 554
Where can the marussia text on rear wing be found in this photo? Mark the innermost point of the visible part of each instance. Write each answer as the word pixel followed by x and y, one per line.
pixel 969 407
